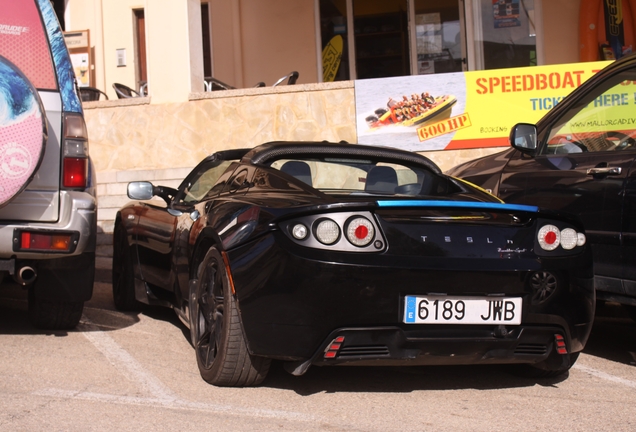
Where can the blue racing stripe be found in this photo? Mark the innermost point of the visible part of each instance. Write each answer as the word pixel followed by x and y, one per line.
pixel 457 204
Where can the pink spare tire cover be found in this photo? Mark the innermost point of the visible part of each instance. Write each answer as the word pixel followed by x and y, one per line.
pixel 22 131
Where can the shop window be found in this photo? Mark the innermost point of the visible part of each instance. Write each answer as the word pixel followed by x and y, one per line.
pixel 438 36
pixel 381 38
pixel 385 38
pixel 335 44
pixel 505 34
pixel 205 32
pixel 140 28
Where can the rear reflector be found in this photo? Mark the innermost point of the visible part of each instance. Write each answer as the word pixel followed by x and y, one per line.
pixel 75 172
pixel 332 349
pixel 42 241
pixel 560 344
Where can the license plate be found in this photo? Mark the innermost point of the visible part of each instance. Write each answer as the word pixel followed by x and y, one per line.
pixel 462 310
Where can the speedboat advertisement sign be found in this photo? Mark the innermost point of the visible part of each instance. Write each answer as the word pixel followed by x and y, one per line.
pixel 461 110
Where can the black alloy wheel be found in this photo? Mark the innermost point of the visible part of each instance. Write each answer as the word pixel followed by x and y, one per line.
pixel 217 334
pixel 122 273
pixel 543 285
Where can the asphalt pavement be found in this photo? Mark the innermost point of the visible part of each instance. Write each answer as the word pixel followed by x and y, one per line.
pixel 137 371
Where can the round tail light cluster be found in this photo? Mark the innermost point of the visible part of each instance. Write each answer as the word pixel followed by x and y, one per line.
pixel 551 237
pixel 359 231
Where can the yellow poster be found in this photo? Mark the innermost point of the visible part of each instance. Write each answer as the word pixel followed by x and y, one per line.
pixel 498 99
pixel 462 110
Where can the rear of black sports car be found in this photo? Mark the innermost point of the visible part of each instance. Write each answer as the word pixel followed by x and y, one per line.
pixel 399 280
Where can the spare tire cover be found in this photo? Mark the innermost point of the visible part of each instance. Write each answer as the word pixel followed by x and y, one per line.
pixel 23 131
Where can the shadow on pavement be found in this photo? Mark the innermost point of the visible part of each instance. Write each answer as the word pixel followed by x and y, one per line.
pixel 613 335
pixel 406 379
pixel 14 317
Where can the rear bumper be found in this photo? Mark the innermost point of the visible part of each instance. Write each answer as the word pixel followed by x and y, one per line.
pixel 388 346
pixel 293 301
pixel 78 213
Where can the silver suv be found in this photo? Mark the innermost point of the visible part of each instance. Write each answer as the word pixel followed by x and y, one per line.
pixel 48 211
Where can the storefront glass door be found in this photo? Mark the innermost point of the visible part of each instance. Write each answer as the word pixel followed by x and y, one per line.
pixel 385 38
pixel 381 38
pixel 438 36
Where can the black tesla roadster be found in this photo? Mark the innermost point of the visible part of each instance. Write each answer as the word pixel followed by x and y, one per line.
pixel 319 253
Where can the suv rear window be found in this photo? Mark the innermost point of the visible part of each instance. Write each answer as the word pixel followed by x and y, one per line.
pixel 23 41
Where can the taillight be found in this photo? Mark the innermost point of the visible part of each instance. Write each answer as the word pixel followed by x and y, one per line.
pixel 551 237
pixel 45 241
pixel 336 231
pixel 75 172
pixel 327 231
pixel 568 238
pixel 75 152
pixel 360 231
pixel 299 231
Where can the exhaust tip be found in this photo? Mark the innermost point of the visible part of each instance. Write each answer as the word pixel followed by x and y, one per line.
pixel 25 275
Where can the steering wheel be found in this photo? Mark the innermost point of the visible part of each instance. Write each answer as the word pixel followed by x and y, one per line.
pixel 624 140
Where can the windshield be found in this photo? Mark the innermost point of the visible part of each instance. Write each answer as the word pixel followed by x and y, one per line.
pixel 358 176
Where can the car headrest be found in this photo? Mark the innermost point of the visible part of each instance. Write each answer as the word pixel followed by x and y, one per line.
pixel 381 179
pixel 298 169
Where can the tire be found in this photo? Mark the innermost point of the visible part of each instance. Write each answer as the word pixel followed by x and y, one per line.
pixel 554 366
pixel 53 315
pixel 217 334
pixel 123 278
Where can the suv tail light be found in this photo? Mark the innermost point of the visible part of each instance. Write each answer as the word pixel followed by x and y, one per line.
pixel 75 152
pixel 45 241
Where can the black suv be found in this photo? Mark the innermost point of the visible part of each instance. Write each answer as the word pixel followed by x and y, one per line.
pixel 48 211
pixel 580 158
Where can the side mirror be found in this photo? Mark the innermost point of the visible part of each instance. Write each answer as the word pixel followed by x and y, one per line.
pixel 140 190
pixel 523 137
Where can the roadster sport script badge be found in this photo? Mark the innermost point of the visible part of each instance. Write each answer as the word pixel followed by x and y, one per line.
pixel 462 310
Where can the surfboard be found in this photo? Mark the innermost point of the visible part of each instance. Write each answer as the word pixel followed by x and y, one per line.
pixel 331 55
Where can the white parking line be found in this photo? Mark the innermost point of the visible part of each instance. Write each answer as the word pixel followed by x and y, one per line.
pixel 124 362
pixel 159 394
pixel 604 375
pixel 179 404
